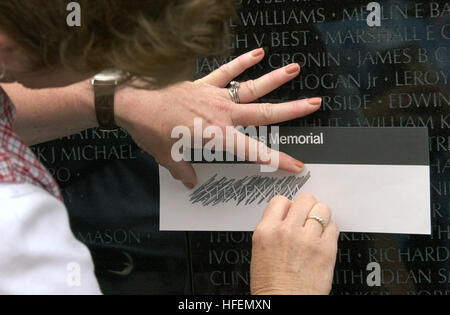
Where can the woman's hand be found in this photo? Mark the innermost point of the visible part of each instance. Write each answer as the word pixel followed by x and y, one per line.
pixel 292 253
pixel 151 116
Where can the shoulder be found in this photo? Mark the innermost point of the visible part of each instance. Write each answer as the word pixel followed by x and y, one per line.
pixel 37 247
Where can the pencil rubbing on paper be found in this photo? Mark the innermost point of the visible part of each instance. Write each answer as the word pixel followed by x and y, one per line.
pixel 247 190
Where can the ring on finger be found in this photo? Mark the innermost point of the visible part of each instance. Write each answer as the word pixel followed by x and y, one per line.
pixel 318 219
pixel 233 90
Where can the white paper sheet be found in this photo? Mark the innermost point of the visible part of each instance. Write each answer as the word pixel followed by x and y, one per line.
pixel 363 198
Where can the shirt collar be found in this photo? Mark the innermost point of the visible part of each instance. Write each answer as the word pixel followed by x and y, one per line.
pixel 7 109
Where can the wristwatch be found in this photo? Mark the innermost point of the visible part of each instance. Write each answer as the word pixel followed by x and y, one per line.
pixel 104 84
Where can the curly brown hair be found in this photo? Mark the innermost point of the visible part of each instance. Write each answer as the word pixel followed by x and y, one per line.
pixel 156 40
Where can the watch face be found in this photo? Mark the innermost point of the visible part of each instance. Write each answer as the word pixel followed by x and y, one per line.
pixel 110 75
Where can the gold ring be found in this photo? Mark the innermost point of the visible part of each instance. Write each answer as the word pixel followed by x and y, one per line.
pixel 318 219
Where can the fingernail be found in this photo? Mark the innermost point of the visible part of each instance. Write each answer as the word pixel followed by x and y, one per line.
pixel 257 52
pixel 293 68
pixel 298 166
pixel 316 101
pixel 189 185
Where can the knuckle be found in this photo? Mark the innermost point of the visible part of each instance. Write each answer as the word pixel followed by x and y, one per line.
pixel 323 207
pixel 308 197
pixel 278 200
pixel 240 61
pixel 266 111
pixel 226 70
pixel 252 89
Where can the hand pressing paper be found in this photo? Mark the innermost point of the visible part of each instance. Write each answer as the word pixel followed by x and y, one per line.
pixel 374 179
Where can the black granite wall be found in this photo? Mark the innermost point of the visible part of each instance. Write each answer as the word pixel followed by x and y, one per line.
pixel 396 74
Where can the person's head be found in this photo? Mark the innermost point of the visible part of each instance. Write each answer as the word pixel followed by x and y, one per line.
pixel 157 40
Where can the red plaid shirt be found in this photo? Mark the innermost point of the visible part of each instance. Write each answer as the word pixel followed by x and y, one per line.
pixel 18 164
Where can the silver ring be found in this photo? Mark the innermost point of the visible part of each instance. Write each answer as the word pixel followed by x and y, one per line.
pixel 233 90
pixel 318 219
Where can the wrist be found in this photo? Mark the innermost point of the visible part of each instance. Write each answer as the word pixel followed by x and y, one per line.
pixel 87 105
pixel 122 97
pixel 126 105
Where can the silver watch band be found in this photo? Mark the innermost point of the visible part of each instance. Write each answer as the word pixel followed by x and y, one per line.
pixel 104 107
pixel 104 85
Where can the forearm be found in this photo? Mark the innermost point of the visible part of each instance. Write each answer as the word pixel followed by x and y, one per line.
pixel 49 114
